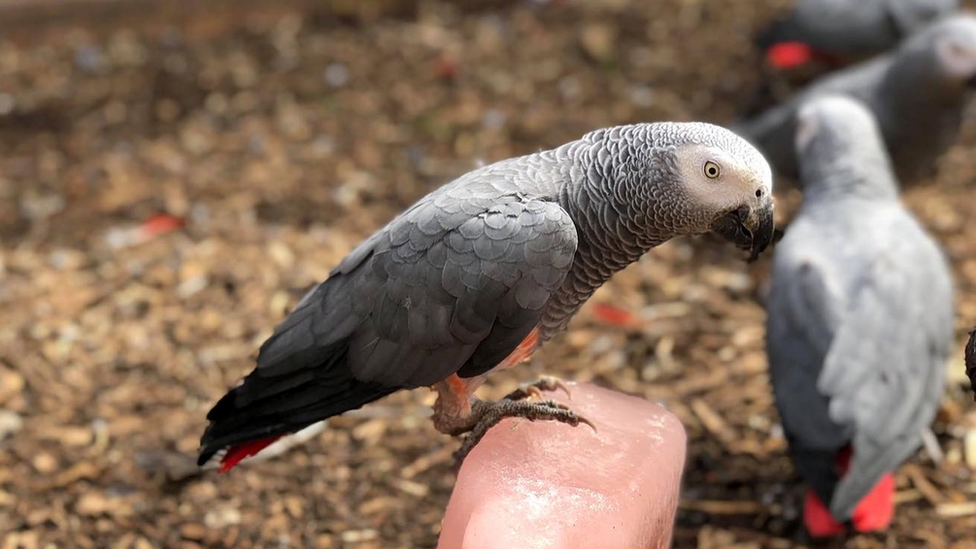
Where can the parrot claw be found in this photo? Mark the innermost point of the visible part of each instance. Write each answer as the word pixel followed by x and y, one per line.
pixel 588 423
pixel 534 390
pixel 579 418
pixel 489 414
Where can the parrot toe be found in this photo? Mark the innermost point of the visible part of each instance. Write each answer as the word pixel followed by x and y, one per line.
pixel 486 415
pixel 535 390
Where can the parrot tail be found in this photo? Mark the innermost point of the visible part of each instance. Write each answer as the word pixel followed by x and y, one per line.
pixel 235 454
pixel 873 513
pixel 789 55
pixel 271 404
pixel 782 47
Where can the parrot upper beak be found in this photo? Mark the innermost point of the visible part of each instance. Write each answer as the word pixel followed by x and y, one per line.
pixel 751 229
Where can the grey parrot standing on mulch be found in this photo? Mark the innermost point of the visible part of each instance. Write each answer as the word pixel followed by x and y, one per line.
pixel 917 93
pixel 860 322
pixel 479 273
pixel 846 28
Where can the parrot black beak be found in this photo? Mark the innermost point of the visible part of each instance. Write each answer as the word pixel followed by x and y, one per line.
pixel 750 229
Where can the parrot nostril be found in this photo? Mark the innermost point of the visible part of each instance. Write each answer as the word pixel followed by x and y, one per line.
pixel 759 193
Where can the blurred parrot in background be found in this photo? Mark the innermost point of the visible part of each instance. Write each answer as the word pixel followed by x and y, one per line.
pixel 846 28
pixel 917 93
pixel 860 322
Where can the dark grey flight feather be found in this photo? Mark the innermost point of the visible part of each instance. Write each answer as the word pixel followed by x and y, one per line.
pixel 456 282
pixel 854 28
pixel 859 314
pixel 917 92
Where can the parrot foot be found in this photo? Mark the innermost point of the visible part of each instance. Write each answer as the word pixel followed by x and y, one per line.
pixel 534 390
pixel 488 414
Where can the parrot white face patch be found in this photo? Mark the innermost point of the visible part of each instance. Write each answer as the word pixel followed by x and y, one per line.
pixel 717 180
pixel 956 51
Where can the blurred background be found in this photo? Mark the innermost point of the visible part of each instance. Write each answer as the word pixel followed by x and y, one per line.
pixel 174 177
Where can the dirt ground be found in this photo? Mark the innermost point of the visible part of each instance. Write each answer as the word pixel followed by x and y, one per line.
pixel 168 192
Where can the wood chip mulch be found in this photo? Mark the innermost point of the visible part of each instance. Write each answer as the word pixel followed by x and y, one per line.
pixel 167 193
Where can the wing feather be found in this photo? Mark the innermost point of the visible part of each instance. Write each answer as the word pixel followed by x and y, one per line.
pixel 860 367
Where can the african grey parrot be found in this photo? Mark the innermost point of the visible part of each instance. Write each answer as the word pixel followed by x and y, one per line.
pixel 859 322
pixel 477 274
pixel 917 93
pixel 847 28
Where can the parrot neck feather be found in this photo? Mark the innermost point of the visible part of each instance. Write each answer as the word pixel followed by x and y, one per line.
pixel 613 174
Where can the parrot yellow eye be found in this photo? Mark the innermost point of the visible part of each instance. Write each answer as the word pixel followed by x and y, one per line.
pixel 712 171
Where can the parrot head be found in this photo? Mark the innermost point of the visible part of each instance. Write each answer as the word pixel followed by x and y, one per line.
pixel 834 123
pixel 839 146
pixel 955 49
pixel 731 181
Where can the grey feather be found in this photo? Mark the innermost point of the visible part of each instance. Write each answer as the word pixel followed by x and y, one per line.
pixel 916 96
pixel 859 313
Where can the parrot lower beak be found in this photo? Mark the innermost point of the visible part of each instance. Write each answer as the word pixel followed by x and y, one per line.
pixel 750 229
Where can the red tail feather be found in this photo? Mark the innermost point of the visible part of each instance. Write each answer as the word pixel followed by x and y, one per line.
pixel 873 513
pixel 817 518
pixel 237 453
pixel 789 55
pixel 876 509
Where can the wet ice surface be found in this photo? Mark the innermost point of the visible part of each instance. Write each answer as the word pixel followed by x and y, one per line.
pixel 545 484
